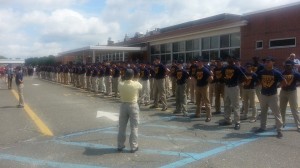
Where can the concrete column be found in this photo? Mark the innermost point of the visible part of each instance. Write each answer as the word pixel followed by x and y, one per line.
pixel 93 57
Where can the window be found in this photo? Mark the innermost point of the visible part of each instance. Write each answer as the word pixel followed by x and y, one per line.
pixel 165 48
pixel 189 45
pixel 214 42
pixel 155 49
pixel 259 45
pixel 224 54
pixel 205 43
pixel 235 40
pixel 214 54
pixel 224 41
pixel 176 47
pixel 282 43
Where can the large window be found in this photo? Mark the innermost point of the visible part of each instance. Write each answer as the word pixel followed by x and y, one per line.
pixel 224 41
pixel 155 49
pixel 205 43
pixel 165 48
pixel 235 40
pixel 214 42
pixel 282 43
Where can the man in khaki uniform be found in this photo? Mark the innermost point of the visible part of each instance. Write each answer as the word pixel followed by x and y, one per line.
pixel 288 93
pixel 129 110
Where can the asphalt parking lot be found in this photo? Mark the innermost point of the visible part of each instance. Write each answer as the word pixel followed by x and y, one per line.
pixel 82 140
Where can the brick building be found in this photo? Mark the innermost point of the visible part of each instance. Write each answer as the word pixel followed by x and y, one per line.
pixel 268 32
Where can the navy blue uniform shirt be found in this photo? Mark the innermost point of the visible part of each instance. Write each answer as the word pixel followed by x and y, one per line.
pixel 116 72
pixel 160 71
pixel 251 81
pixel 218 77
pixel 231 75
pixel 291 79
pixel 19 77
pixel 202 75
pixel 144 74
pixel 193 70
pixel 269 80
pixel 181 76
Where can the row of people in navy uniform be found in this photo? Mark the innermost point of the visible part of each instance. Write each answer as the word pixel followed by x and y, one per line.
pixel 196 80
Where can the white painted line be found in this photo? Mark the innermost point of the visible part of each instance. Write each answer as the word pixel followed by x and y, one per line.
pixel 35 84
pixel 109 115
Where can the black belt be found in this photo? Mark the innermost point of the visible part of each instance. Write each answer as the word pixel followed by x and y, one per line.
pixel 271 94
pixel 232 85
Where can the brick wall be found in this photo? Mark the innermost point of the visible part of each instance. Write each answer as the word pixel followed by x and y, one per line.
pixel 279 23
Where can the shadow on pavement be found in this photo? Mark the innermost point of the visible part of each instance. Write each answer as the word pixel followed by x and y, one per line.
pixel 96 152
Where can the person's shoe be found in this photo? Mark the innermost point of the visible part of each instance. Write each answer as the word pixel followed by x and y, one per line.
pixel 197 116
pixel 225 123
pixel 153 106
pixel 260 130
pixel 20 106
pixel 120 149
pixel 208 120
pixel 164 109
pixel 252 121
pixel 237 126
pixel 244 118
pixel 176 112
pixel 185 114
pixel 191 102
pixel 279 134
pixel 217 112
pixel 134 150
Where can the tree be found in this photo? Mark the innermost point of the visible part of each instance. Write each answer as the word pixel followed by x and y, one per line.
pixel 47 60
pixel 2 57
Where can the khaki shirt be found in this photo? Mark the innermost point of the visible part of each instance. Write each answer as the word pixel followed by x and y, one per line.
pixel 129 91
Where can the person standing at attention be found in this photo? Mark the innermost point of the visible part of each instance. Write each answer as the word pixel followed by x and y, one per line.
pixel 129 110
pixel 269 78
pixel 20 86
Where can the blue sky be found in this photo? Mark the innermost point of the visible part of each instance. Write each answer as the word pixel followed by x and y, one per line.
pixel 35 28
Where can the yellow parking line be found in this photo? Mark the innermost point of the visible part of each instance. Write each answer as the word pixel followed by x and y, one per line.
pixel 38 122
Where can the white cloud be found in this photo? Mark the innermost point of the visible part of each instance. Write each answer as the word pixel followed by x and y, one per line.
pixel 43 27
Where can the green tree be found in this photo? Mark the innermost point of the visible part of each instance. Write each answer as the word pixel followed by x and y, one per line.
pixel 2 57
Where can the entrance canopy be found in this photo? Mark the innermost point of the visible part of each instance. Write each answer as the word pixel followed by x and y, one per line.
pixel 12 61
pixel 98 53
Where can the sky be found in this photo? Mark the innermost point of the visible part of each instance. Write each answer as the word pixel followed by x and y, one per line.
pixel 37 28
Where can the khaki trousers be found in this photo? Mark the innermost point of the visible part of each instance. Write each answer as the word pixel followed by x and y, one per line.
pixel 21 94
pixel 101 85
pixel 108 85
pixel 202 97
pixel 145 93
pixel 174 84
pixel 272 102
pixel 291 98
pixel 95 84
pixel 193 86
pixel 115 82
pixel 231 103
pixel 181 98
pixel 219 93
pixel 249 97
pixel 128 111
pixel 160 92
pixel 211 88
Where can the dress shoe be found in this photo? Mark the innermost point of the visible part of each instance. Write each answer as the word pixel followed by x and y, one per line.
pixel 225 123
pixel 237 126
pixel 260 130
pixel 134 150
pixel 208 120
pixel 164 109
pixel 279 134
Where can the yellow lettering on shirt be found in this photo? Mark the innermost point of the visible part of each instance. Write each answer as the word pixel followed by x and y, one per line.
pixel 289 79
pixel 267 81
pixel 229 73
pixel 199 75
